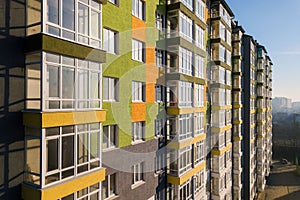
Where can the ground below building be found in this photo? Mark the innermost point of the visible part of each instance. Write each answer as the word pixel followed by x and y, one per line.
pixel 282 184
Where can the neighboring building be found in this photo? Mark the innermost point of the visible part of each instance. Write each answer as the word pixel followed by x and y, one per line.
pixel 282 104
pixel 221 104
pixel 132 99
pixel 237 104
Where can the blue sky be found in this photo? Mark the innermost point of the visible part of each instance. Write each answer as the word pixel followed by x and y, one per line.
pixel 275 24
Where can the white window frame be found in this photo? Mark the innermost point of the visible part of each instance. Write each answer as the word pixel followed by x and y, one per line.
pixel 185 160
pixel 199 152
pixel 185 27
pixel 109 184
pixel 112 89
pixel 76 165
pixel 110 41
pixel 160 94
pixel 199 95
pixel 188 192
pixel 199 9
pixel 138 50
pixel 139 9
pixel 185 61
pixel 138 173
pixel 185 126
pixel 160 58
pixel 138 91
pixel 76 100
pixel 159 21
pixel 199 37
pixel 199 66
pixel 199 123
pixel 138 132
pixel 185 94
pixel 112 129
pixel 76 16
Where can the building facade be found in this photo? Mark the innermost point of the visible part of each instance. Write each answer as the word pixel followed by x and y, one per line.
pixel 132 99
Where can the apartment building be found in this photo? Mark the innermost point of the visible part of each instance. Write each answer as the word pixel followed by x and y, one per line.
pixel 132 99
pixel 221 106
pixel 237 106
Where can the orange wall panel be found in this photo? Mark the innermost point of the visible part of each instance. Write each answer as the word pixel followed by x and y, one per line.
pixel 138 29
pixel 150 92
pixel 138 112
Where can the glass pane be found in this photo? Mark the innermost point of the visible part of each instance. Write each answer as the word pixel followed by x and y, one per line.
pixel 94 87
pixel 82 84
pixel 67 129
pixel 52 178
pixel 94 187
pixel 52 154
pixel 96 24
pixel 94 196
pixel 53 11
pixel 68 173
pixel 68 14
pixel 70 197
pixel 94 142
pixel 68 151
pixel 82 151
pixel 52 131
pixel 53 81
pixel 82 192
pixel 112 184
pixel 53 30
pixel 83 19
pixel 95 126
pixel 68 83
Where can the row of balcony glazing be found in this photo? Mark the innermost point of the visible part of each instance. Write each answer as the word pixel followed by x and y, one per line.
pixel 186 99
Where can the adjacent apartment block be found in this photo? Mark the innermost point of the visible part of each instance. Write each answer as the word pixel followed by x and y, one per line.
pixel 131 99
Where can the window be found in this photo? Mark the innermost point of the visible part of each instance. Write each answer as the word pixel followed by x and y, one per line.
pixel 200 9
pixel 185 159
pixel 160 21
pixel 186 27
pixel 137 173
pixel 222 31
pixel 185 94
pixel 138 50
pixel 199 123
pixel 65 75
pixel 139 9
pixel 185 61
pixel 61 145
pixel 188 4
pixel 222 53
pixel 159 128
pixel 160 58
pixel 111 89
pixel 62 15
pixel 110 41
pixel 159 93
pixel 186 190
pixel 91 192
pixel 199 37
pixel 199 181
pixel 199 66
pixel 228 77
pixel 109 186
pixel 199 96
pixel 138 131
pixel 138 91
pixel 185 126
pixel 110 136
pixel 199 152
pixel 160 162
pixel 116 2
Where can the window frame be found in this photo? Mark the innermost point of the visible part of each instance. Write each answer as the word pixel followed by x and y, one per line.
pixel 77 34
pixel 139 9
pixel 113 96
pixel 76 101
pixel 115 38
pixel 138 132
pixel 138 92
pixel 110 145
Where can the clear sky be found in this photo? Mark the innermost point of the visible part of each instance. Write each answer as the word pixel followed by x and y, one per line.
pixel 276 25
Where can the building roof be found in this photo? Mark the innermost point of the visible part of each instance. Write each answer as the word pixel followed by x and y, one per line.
pixel 225 5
